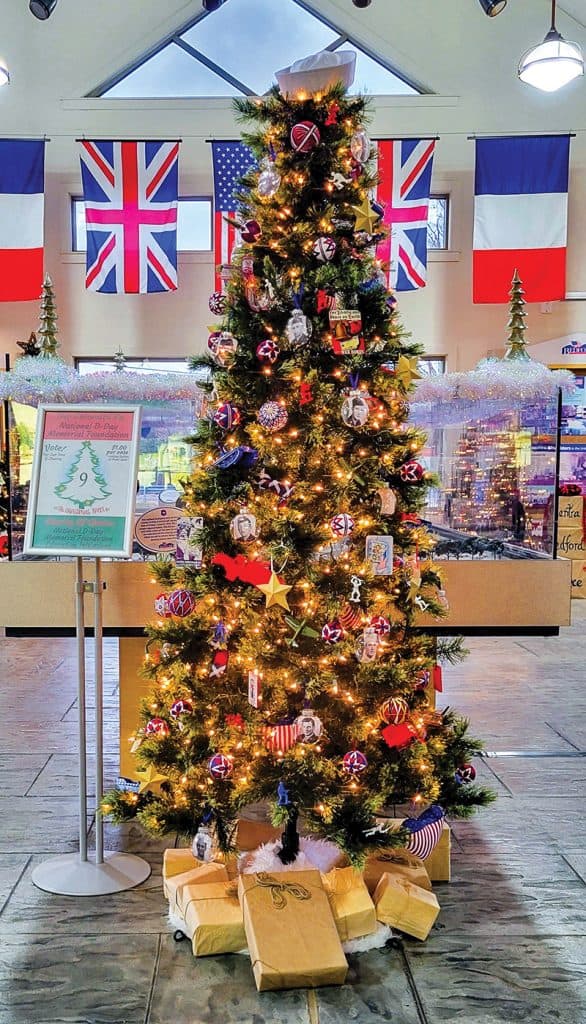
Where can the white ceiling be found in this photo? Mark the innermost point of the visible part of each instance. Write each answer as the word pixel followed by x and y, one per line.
pixel 448 45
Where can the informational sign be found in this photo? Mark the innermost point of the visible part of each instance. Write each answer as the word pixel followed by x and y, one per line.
pixel 83 484
pixel 156 530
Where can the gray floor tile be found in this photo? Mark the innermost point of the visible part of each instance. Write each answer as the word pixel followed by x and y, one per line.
pixel 76 980
pixel 376 990
pixel 210 990
pixel 12 866
pixel 19 771
pixel 492 980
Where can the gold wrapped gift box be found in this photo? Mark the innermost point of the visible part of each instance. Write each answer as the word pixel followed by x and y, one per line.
pixel 199 875
pixel 350 902
pixel 437 864
pixel 405 906
pixel 400 863
pixel 291 933
pixel 213 918
pixel 176 862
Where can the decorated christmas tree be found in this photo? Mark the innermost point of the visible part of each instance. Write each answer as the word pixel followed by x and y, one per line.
pixel 288 665
pixel 47 330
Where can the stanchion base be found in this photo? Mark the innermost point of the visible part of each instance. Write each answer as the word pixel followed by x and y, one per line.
pixel 69 876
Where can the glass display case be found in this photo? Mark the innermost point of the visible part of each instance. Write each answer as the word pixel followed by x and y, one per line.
pixel 497 483
pixel 165 460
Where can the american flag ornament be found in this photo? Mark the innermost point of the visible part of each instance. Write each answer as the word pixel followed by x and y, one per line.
pixel 232 160
pixel 130 192
pixel 425 831
pixel 281 737
pixel 404 172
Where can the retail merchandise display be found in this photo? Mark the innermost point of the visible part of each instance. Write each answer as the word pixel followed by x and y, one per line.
pixel 280 569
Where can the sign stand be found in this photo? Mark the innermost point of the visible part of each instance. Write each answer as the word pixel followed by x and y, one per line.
pixel 82 497
pixel 73 874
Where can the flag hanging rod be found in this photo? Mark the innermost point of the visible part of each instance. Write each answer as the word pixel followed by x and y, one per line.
pixel 25 138
pixel 527 135
pixel 92 138
pixel 376 138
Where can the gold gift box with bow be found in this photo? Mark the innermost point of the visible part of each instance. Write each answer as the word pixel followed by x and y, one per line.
pixel 213 918
pixel 176 862
pixel 202 874
pixel 405 906
pixel 399 863
pixel 350 902
pixel 291 933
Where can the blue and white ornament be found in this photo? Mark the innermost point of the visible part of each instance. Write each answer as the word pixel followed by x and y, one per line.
pixel 267 351
pixel 354 762
pixel 342 524
pixel 332 632
pixel 226 416
pixel 220 767
pixel 272 416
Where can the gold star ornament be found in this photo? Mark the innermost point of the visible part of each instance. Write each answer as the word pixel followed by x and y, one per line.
pixel 150 778
pixel 406 371
pixel 275 592
pixel 366 218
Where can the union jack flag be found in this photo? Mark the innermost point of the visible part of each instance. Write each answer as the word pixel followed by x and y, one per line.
pixel 425 831
pixel 130 195
pixel 404 170
pixel 231 161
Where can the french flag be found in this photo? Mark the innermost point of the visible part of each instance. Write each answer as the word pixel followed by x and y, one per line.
pixel 520 217
pixel 22 201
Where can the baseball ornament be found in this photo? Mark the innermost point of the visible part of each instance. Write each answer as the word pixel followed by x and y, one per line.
pixel 272 416
pixel 394 711
pixel 465 773
pixel 267 351
pixel 354 762
pixel 380 625
pixel 226 416
pixel 222 347
pixel 342 524
pixel 411 472
pixel 181 603
pixel 220 767
pixel 269 181
pixel 180 707
pixel 157 727
pixel 250 231
pixel 324 249
pixel 162 606
pixel 360 146
pixel 299 328
pixel 332 632
pixel 305 136
pixel 217 303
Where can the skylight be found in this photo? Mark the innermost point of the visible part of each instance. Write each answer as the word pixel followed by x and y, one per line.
pixel 236 50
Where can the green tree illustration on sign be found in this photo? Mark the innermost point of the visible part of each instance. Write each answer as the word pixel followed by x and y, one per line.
pixel 85 483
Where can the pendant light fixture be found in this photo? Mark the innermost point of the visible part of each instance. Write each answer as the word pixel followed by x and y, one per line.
pixel 553 63
pixel 4 75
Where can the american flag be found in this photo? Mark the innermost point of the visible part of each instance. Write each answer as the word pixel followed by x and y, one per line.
pixel 425 831
pixel 280 738
pixel 130 195
pixel 404 169
pixel 231 161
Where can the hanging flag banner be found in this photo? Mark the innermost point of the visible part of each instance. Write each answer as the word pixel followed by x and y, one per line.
pixel 404 172
pixel 83 483
pixel 520 217
pixel 130 191
pixel 231 161
pixel 22 207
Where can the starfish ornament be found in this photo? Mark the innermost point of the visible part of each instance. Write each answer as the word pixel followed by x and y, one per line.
pixel 275 592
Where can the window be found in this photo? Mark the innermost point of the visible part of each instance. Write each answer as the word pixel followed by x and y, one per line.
pixel 86 364
pixel 432 366
pixel 438 222
pixel 194 224
pixel 236 49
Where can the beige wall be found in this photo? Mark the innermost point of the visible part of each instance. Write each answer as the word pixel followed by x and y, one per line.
pixel 441 316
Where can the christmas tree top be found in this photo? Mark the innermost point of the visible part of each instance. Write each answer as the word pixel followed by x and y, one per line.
pixel 517 348
pixel 47 331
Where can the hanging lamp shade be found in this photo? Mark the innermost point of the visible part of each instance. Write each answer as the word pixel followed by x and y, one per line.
pixel 553 63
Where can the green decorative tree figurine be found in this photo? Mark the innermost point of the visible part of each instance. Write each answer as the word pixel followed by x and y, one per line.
pixel 84 483
pixel 517 348
pixel 287 663
pixel 119 359
pixel 47 331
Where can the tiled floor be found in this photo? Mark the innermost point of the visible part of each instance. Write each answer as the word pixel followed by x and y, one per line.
pixel 510 942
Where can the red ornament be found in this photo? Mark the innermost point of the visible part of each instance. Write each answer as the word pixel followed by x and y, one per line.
pixel 244 569
pixel 219 662
pixel 235 721
pixel 305 393
pixel 250 231
pixel 181 603
pixel 399 736
pixel 157 727
pixel 333 111
pixel 332 632
pixel 305 136
pixel 380 625
pixel 394 710
pixel 181 707
pixel 350 617
pixel 411 472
